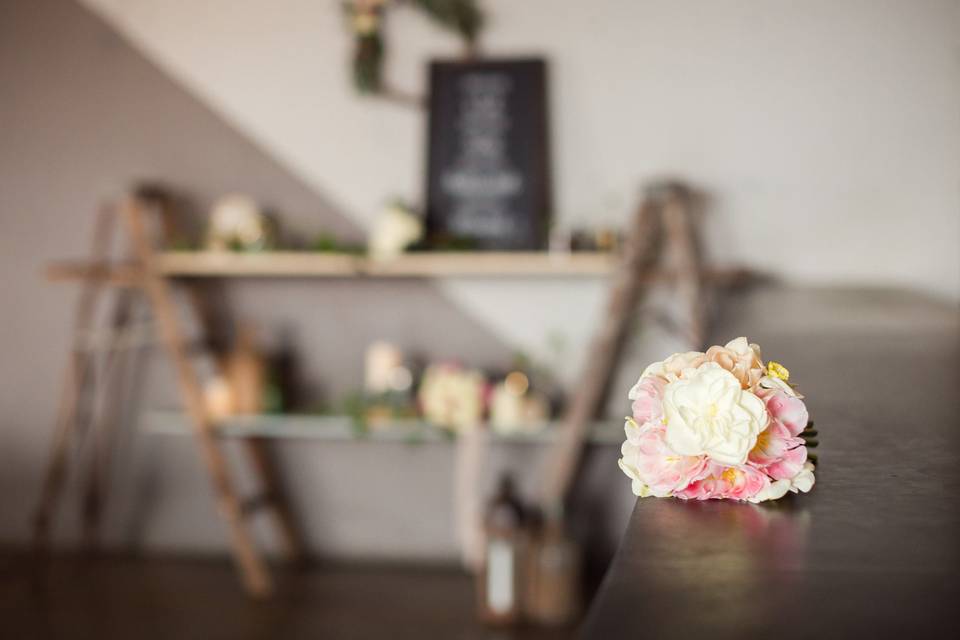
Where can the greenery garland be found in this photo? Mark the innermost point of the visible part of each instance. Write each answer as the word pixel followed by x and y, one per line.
pixel 366 21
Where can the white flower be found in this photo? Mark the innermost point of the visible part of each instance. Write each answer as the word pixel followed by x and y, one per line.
pixel 777 384
pixel 674 367
pixel 773 491
pixel 638 486
pixel 236 218
pixel 804 479
pixel 395 230
pixel 707 412
pixel 655 369
pixel 452 397
pixel 640 490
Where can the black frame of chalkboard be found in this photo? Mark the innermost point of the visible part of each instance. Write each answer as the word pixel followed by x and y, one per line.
pixel 536 168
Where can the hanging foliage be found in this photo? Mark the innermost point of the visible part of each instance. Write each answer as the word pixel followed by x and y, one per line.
pixel 366 18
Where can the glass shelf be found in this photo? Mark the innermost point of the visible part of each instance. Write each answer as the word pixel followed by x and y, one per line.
pixel 343 428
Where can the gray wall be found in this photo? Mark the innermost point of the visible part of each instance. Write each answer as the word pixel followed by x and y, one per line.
pixel 83 115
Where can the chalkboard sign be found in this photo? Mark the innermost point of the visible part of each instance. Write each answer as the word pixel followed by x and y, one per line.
pixel 488 169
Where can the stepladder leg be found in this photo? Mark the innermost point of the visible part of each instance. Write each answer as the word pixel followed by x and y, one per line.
pixel 250 561
pixel 253 569
pixel 106 414
pixel 271 498
pixel 77 385
pixel 291 544
pixel 641 250
pixel 56 472
pixel 682 241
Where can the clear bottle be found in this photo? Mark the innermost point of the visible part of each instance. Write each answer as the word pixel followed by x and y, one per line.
pixel 500 579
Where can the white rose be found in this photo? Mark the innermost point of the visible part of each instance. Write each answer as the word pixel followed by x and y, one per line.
pixel 708 412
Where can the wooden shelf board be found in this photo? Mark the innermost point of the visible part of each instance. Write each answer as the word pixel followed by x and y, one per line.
pixel 341 428
pixel 440 264
pixel 275 263
pixel 294 264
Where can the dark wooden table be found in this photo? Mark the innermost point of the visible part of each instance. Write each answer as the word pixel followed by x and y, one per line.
pixel 872 552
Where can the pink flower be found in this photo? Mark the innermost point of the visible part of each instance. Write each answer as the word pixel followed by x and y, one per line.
pixel 789 465
pixel 773 444
pixel 740 358
pixel 648 460
pixel 716 481
pixel 790 411
pixel 646 395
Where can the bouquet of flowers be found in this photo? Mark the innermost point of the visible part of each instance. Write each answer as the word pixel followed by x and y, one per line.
pixel 715 425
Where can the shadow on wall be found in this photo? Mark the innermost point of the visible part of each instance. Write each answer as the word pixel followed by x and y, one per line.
pixel 86 116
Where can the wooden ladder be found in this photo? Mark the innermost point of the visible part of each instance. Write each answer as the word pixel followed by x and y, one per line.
pixel 77 424
pixel 663 225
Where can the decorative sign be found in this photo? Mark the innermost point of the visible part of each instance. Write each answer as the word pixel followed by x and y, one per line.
pixel 488 169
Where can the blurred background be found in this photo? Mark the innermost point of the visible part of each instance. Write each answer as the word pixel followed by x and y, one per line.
pixel 816 146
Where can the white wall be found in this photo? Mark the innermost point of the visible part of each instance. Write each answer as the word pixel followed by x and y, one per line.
pixel 829 131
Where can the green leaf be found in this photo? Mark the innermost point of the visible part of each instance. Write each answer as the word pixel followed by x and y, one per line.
pixel 462 16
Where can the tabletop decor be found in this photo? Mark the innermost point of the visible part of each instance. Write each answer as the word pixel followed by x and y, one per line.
pixel 452 396
pixel 237 223
pixel 718 425
pixel 488 154
pixel 397 229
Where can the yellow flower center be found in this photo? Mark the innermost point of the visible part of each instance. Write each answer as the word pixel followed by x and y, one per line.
pixel 777 370
pixel 730 475
pixel 762 441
